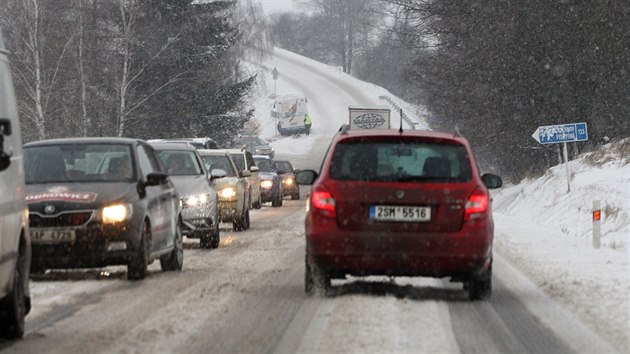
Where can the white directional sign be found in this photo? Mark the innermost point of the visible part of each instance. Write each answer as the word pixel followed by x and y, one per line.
pixel 561 133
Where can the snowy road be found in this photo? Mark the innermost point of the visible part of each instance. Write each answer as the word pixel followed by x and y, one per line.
pixel 247 296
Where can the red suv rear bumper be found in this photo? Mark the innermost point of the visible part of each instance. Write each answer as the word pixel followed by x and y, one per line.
pixel 461 253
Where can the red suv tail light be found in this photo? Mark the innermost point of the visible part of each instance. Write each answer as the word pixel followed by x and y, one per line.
pixel 323 203
pixel 477 205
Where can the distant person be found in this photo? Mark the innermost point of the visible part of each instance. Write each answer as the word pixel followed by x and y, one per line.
pixel 307 124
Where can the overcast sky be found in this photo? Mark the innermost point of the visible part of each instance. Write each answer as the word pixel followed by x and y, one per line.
pixel 271 6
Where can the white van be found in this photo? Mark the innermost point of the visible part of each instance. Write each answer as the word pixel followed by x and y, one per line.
pixel 289 112
pixel 15 243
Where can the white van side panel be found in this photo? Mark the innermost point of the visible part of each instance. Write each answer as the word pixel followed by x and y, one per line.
pixel 13 209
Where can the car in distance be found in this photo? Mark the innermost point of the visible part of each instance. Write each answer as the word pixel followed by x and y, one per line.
pixel 244 160
pixel 232 190
pixel 287 177
pixel 200 207
pixel 399 204
pixel 15 243
pixel 270 185
pixel 96 202
pixel 254 144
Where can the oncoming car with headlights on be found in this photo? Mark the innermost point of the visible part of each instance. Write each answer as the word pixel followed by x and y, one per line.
pixel 232 190
pixel 287 177
pixel 270 186
pixel 200 209
pixel 95 202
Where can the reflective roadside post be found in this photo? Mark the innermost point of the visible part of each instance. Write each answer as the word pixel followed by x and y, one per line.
pixel 597 216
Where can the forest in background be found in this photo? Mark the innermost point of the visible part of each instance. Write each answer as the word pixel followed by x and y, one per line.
pixel 135 68
pixel 492 70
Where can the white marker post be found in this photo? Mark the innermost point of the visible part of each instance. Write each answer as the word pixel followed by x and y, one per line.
pixel 597 216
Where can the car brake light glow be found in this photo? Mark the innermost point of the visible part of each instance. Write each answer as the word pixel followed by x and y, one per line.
pixel 477 205
pixel 324 203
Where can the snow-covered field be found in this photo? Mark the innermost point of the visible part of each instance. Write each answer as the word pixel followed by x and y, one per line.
pixel 541 229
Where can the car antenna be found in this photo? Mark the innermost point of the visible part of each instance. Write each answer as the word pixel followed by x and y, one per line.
pixel 401 118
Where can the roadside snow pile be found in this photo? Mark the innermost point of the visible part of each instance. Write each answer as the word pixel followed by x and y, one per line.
pixel 547 233
pixel 594 176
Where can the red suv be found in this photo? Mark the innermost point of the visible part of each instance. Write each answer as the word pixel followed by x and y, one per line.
pixel 399 204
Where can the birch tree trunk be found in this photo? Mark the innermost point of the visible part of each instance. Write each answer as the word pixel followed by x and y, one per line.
pixel 86 121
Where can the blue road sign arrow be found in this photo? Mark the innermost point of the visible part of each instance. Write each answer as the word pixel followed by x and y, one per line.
pixel 561 133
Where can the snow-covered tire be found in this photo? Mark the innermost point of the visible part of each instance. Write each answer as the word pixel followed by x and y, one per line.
pixel 13 306
pixel 316 281
pixel 257 204
pixel 138 267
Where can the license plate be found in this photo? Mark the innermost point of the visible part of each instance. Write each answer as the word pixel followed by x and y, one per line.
pixel 52 236
pixel 400 213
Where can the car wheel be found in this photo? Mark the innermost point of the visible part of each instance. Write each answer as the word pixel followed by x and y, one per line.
pixel 316 281
pixel 174 261
pixel 277 200
pixel 14 305
pixel 205 240
pixel 296 196
pixel 258 204
pixel 246 221
pixel 215 236
pixel 480 286
pixel 137 268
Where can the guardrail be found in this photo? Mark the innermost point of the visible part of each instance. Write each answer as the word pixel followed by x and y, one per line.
pixel 398 109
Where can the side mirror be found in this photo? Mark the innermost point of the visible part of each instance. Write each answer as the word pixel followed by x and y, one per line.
pixel 254 169
pixel 5 160
pixel 156 178
pixel 246 173
pixel 5 126
pixel 306 177
pixel 296 171
pixel 217 173
pixel 492 181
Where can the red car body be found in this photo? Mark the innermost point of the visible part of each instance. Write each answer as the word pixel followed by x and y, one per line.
pixel 342 236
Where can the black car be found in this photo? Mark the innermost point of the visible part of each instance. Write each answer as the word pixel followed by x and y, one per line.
pixel 270 185
pixel 95 202
pixel 287 176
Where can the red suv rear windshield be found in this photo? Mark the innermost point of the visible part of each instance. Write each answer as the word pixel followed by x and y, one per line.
pixel 400 161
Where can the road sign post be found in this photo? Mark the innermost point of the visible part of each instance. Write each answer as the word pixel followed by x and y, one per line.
pixel 274 74
pixel 562 133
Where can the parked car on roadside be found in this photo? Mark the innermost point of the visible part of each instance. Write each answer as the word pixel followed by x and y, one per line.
pixel 245 162
pixel 270 185
pixel 15 242
pixel 287 177
pixel 200 207
pixel 96 202
pixel 232 190
pixel 399 204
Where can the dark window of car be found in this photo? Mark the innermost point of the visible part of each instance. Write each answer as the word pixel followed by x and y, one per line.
pixel 239 159
pixel 148 162
pixel 220 162
pixel 409 161
pixel 180 163
pixel 265 165
pixel 78 163
pixel 284 166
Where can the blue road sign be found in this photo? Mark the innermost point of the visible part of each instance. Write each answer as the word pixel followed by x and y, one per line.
pixel 561 133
